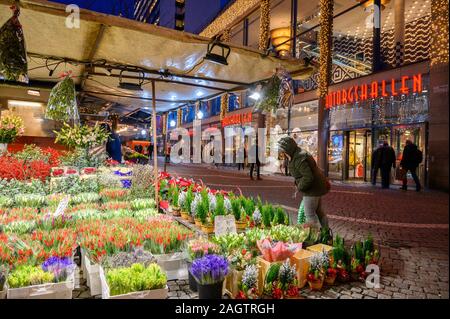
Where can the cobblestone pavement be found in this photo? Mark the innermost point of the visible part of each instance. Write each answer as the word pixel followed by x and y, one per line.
pixel 411 229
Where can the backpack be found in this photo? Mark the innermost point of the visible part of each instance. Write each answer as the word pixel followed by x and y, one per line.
pixel 419 156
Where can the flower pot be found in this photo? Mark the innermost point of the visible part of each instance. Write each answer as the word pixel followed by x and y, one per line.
pixel 197 222
pixel 241 225
pixel 316 284
pixel 210 291
pixel 330 279
pixel 185 215
pixel 193 285
pixel 3 148
pixel 207 229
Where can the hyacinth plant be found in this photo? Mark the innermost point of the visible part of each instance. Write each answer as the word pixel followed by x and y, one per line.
pixel 249 283
pixel 61 267
pixel 210 269
pixel 318 266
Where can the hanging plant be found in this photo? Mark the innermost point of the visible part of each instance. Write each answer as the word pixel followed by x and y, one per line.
pixel 62 103
pixel 270 95
pixel 13 56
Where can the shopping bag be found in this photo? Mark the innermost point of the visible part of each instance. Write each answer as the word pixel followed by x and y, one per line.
pixel 400 173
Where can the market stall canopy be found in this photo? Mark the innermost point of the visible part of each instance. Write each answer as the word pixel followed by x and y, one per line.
pixel 106 50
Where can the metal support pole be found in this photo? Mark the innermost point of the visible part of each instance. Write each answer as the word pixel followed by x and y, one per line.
pixel 155 149
pixel 294 6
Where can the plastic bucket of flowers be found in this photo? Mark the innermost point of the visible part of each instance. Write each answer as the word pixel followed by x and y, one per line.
pixel 195 249
pixel 55 278
pixel 174 264
pixel 210 272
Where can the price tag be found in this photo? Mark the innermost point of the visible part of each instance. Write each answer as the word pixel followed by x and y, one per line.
pixel 224 225
pixel 62 206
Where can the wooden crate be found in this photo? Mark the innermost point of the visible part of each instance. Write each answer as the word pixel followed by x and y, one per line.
pixel 263 266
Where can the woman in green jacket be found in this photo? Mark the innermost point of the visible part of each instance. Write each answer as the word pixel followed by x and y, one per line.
pixel 309 180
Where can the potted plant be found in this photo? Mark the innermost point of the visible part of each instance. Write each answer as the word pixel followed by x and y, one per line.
pixel 11 127
pixel 341 259
pixel 198 248
pixel 210 272
pixel 187 204
pixel 316 275
pixel 174 194
pixel 357 261
pixel 280 281
pixel 249 283
pixel 238 260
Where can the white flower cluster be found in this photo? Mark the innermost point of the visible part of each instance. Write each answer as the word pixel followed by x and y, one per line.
pixel 227 204
pixel 212 202
pixel 250 277
pixel 257 216
pixel 181 199
pixel 197 199
pixel 319 261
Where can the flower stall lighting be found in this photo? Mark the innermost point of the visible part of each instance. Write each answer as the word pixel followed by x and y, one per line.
pixel 369 5
pixel 23 103
pixel 218 52
pixel 255 96
pixel 200 115
pixel 34 92
pixel 173 123
pixel 143 132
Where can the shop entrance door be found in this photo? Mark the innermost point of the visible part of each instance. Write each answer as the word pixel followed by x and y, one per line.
pixel 358 159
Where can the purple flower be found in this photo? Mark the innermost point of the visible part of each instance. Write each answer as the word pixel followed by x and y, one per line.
pixel 209 269
pixel 61 268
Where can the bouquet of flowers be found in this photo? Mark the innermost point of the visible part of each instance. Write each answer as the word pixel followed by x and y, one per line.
pixel 81 136
pixel 210 269
pixel 11 127
pixel 277 251
pixel 281 281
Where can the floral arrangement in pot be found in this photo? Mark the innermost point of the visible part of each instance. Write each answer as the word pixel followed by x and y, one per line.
pixel 249 283
pixel 174 195
pixel 341 259
pixel 363 254
pixel 198 248
pixel 210 272
pixel 11 127
pixel 108 194
pixel 318 265
pixel 280 281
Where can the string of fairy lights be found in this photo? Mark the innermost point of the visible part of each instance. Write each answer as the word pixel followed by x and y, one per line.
pixel 439 44
pixel 325 43
pixel 264 25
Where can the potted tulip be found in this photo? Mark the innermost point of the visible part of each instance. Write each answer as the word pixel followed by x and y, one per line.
pixel 341 259
pixel 209 272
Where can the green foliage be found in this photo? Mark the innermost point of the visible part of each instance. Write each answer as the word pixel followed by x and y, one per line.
pixel 29 200
pixel 174 193
pixel 142 182
pixel 236 208
pixel 142 203
pixel 267 215
pixel 220 206
pixel 229 242
pixel 32 153
pixel 5 202
pixel 270 94
pixel 135 278
pixel 188 200
pixel 24 276
pixel 84 198
pixel 13 56
pixel 340 254
pixel 272 273
pixel 14 187
pixel 62 102
pixel 80 159
pixel 280 217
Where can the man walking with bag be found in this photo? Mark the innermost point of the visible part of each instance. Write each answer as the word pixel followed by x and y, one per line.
pixel 309 180
pixel 411 159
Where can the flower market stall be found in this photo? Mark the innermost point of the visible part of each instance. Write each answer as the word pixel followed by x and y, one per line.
pixel 120 237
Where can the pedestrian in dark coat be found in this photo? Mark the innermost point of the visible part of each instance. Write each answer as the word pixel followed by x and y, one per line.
pixel 113 144
pixel 411 159
pixel 375 163
pixel 309 180
pixel 386 163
